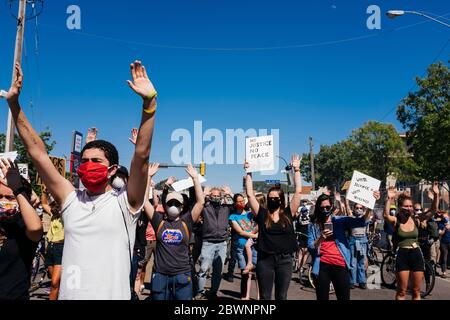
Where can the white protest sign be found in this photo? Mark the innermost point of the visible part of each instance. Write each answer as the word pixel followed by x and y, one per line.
pixel 3 94
pixel 361 189
pixel 259 153
pixel 186 183
pixel 23 170
pixel 8 155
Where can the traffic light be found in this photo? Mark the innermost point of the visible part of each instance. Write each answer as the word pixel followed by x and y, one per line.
pixel 202 169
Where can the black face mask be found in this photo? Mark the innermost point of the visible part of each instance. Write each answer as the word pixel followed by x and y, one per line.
pixel 273 204
pixel 403 215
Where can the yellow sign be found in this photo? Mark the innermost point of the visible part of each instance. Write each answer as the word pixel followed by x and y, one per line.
pixel 60 165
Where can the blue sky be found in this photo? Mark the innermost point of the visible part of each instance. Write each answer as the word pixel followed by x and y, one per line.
pixel 231 64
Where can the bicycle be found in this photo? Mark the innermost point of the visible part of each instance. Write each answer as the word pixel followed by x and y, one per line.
pixel 38 267
pixel 305 272
pixel 389 277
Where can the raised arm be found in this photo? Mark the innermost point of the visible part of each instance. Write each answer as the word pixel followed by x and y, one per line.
pixel 137 182
pixel 58 186
pixel 295 203
pixel 369 212
pixel 14 181
pixel 200 199
pixel 148 208
pixel 91 135
pixel 254 204
pixel 427 215
pixel 390 200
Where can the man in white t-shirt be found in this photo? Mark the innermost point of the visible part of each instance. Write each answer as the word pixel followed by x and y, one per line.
pixel 99 222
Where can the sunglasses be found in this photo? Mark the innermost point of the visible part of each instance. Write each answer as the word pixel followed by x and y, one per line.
pixel 326 208
pixel 7 197
pixel 174 203
pixel 417 209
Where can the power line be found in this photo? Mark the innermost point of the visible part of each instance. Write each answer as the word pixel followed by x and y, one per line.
pixel 441 50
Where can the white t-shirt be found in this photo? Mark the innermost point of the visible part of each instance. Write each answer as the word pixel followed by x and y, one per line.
pixel 96 257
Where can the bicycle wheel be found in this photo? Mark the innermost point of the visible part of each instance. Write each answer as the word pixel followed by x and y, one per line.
pixel 312 280
pixel 428 280
pixel 388 276
pixel 37 272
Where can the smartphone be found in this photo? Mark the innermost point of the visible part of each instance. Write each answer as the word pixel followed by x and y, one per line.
pixel 329 226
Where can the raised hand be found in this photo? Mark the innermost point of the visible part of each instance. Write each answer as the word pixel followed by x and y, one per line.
pixel 16 87
pixel 191 171
pixel 11 174
pixel 91 135
pixel 246 165
pixel 152 170
pixel 337 196
pixel 134 135
pixel 435 187
pixel 171 181
pixel 207 190
pixel 141 84
pixel 392 193
pixel 377 195
pixel 295 162
pixel 227 190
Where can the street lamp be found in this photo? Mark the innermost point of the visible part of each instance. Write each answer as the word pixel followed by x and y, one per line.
pixel 397 13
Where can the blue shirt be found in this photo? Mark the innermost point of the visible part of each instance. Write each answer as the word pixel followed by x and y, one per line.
pixel 246 224
pixel 446 236
pixel 340 225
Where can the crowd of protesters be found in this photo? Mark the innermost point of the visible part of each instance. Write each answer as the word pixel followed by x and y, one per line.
pixel 102 237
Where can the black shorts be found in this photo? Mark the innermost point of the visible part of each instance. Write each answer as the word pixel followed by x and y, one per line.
pixel 410 260
pixel 302 241
pixel 53 257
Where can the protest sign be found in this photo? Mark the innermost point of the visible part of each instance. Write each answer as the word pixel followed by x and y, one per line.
pixel 23 170
pixel 60 165
pixel 186 183
pixel 361 189
pixel 259 153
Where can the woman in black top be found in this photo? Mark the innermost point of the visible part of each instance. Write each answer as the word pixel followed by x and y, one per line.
pixel 276 243
pixel 20 230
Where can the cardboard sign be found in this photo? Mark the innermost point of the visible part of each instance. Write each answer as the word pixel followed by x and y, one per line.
pixel 186 183
pixel 23 170
pixel 60 165
pixel 259 153
pixel 361 189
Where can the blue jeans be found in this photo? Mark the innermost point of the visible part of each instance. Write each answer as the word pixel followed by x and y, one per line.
pixel 213 254
pixel 176 287
pixel 358 250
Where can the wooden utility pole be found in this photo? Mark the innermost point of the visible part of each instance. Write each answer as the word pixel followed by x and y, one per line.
pixel 9 146
pixel 313 172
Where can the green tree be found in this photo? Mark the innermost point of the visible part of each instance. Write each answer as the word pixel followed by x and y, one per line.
pixel 375 149
pixel 379 150
pixel 333 165
pixel 23 156
pixel 426 115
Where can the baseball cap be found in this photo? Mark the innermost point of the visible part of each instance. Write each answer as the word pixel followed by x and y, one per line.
pixel 175 196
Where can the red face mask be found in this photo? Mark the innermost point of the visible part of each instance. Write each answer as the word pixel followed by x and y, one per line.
pixel 240 206
pixel 93 175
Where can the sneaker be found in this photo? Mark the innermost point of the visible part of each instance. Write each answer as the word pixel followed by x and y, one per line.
pixel 201 296
pixel 352 286
pixel 443 276
pixel 228 277
pixel 212 296
pixel 362 286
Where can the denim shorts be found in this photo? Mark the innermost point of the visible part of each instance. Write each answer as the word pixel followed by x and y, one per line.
pixel 53 256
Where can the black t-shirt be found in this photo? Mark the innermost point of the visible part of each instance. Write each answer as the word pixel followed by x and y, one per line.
pixel 16 256
pixel 277 239
pixel 141 227
pixel 172 244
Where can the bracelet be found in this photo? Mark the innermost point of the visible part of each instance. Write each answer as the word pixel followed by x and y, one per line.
pixel 151 110
pixel 153 95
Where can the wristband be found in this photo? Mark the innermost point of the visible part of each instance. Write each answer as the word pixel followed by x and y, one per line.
pixel 153 95
pixel 150 111
pixel 19 191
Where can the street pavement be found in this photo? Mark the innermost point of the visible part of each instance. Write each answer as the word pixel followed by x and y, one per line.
pixel 230 291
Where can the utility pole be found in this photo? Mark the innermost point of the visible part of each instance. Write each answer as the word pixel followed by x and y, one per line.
pixel 311 155
pixel 9 146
